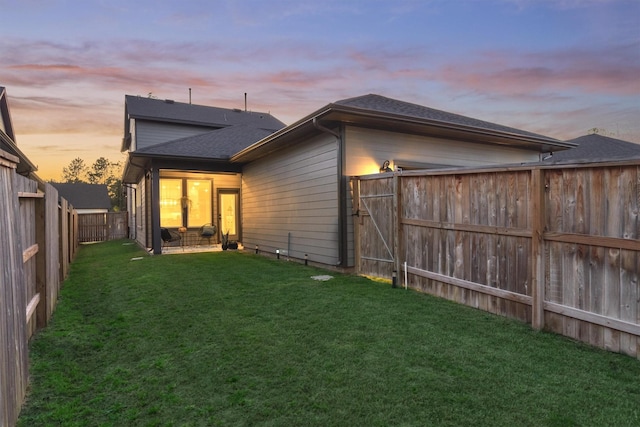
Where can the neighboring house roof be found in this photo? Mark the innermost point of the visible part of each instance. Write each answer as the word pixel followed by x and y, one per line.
pixel 84 196
pixel 376 111
pixel 219 144
pixel 169 111
pixel 8 137
pixel 596 147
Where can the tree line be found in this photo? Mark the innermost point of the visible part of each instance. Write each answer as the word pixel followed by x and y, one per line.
pixel 102 171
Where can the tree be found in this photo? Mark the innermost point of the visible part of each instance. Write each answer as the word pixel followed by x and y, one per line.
pixel 103 171
pixel 114 185
pixel 100 171
pixel 75 171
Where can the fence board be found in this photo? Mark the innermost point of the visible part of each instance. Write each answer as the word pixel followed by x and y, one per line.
pixel 31 269
pixel 13 301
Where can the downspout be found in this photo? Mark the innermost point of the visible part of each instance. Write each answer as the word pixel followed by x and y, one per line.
pixel 342 223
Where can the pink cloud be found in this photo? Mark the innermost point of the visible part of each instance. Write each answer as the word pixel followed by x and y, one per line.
pixel 612 71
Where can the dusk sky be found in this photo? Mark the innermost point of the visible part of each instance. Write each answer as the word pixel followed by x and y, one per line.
pixel 555 67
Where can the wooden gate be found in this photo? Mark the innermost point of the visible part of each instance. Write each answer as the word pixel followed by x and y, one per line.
pixel 375 200
pixel 100 227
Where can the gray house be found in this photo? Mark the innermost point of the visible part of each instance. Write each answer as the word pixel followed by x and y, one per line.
pixel 85 198
pixel 296 193
pixel 178 174
pixel 293 183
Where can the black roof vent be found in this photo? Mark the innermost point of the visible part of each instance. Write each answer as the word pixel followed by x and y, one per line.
pixel 237 110
pixel 169 101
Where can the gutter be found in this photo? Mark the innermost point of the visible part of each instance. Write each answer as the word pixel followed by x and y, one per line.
pixel 284 131
pixel 342 200
pixel 534 138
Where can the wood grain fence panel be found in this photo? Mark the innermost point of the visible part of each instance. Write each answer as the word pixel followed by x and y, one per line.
pixel 64 243
pixel 594 224
pixel 523 181
pixel 555 204
pixel 30 270
pixel 524 262
pixel 613 228
pixel 13 302
pixel 27 230
pixel 629 260
pixel 475 228
pixel 582 258
pixel 596 280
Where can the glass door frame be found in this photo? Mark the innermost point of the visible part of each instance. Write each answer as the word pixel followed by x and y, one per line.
pixel 235 191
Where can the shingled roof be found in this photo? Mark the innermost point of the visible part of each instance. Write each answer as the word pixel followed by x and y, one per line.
pixel 377 111
pixel 180 112
pixel 597 147
pixel 8 138
pixel 84 196
pixel 373 102
pixel 218 144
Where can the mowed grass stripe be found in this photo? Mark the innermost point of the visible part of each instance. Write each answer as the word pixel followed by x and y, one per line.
pixel 238 339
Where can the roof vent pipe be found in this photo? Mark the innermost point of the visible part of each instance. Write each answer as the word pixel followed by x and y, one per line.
pixel 245 102
pixel 189 96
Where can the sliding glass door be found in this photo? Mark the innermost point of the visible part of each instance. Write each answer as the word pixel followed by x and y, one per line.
pixel 185 202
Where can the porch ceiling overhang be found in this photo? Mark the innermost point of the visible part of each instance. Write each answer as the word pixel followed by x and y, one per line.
pixel 334 115
pixel 138 164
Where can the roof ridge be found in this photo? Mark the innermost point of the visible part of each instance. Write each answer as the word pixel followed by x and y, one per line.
pixel 180 103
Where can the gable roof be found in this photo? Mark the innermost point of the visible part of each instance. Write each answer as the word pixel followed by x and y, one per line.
pixel 380 103
pixel 84 196
pixel 169 111
pixel 376 111
pixel 219 144
pixel 596 147
pixel 8 137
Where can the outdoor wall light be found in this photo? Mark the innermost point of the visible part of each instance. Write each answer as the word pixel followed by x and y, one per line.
pixel 385 167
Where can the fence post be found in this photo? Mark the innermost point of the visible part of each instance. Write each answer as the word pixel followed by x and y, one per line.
pixel 355 200
pixel 41 262
pixel 397 214
pixel 537 247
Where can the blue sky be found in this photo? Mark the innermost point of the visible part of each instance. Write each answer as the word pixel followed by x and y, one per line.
pixel 556 67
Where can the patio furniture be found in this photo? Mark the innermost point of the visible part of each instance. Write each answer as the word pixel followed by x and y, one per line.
pixel 168 236
pixel 208 231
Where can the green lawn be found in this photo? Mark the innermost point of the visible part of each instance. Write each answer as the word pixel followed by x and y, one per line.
pixel 237 339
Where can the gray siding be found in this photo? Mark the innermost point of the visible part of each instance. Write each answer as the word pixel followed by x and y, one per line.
pixel 151 133
pixel 294 191
pixel 366 149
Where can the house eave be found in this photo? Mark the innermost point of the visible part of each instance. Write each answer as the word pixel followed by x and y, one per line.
pixel 333 114
pixel 25 166
pixel 138 163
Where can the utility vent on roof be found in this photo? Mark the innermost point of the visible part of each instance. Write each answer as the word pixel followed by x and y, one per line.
pixel 237 110
pixel 169 101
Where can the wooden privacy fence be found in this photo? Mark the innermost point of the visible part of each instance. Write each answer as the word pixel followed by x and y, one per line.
pixel 100 227
pixel 39 240
pixel 555 246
